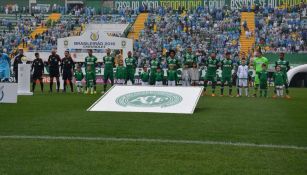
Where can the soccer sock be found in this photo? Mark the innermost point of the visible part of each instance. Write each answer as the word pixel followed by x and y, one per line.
pixel 222 88
pixel 238 88
pixel 261 93
pixel 33 86
pixel 246 91
pixel 277 92
pixel 281 92
pixel 78 89
pixel 51 85
pixel 265 93
pixel 71 86
pixel 42 86
pixel 92 90
pixel 65 84
pixel 105 87
pixel 213 87
pixel 58 85
pixel 240 91
pixel 230 90
pixel 286 87
pixel 94 82
pixel 205 85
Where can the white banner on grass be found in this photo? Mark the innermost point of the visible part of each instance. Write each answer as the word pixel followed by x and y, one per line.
pixel 149 99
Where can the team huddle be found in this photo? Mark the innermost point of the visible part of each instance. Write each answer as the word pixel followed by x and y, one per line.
pixel 234 73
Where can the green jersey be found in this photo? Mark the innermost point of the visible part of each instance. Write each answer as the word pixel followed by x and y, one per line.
pixel 108 62
pixel 263 76
pixel 258 61
pixel 172 62
pixel 90 75
pixel 91 60
pixel 79 75
pixel 172 75
pixel 121 72
pixel 145 76
pixel 154 64
pixel 159 76
pixel 189 59
pixel 284 65
pixel 279 78
pixel 212 65
pixel 130 63
pixel 227 66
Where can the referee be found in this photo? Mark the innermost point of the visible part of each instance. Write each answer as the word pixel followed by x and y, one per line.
pixel 67 68
pixel 38 67
pixel 54 62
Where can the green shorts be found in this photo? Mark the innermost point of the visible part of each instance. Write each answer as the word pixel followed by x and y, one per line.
pixel 227 79
pixel 211 78
pixel 263 85
pixel 108 74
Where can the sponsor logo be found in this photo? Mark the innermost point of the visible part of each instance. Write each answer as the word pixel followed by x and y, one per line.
pixel 1 93
pixel 124 43
pixel 94 36
pixel 66 43
pixel 149 99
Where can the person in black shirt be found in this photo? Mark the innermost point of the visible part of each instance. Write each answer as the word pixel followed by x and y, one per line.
pixel 54 61
pixel 67 68
pixel 17 60
pixel 38 66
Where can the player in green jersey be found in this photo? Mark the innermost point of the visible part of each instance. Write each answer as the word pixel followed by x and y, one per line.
pixel 227 66
pixel 263 77
pixel 89 77
pixel 284 68
pixel 154 64
pixel 279 81
pixel 130 67
pixel 257 63
pixel 159 77
pixel 79 77
pixel 172 76
pixel 172 60
pixel 91 60
pixel 144 76
pixel 189 58
pixel 212 65
pixel 121 73
pixel 109 64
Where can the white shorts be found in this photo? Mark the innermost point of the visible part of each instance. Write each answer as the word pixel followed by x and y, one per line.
pixel 171 83
pixel 79 83
pixel 186 83
pixel 159 83
pixel 279 87
pixel 243 82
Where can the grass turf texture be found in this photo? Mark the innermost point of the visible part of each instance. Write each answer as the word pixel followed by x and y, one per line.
pixel 248 120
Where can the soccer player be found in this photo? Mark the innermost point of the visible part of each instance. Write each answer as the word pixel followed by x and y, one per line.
pixel 263 77
pixel 17 60
pixel 109 64
pixel 5 64
pixel 79 77
pixel 185 75
pixel 67 69
pixel 54 62
pixel 279 82
pixel 159 77
pixel 154 64
pixel 89 77
pixel 145 76
pixel 243 77
pixel 285 67
pixel 257 63
pixel 130 67
pixel 172 76
pixel 92 61
pixel 189 58
pixel 38 67
pixel 227 66
pixel 212 65
pixel 172 60
pixel 121 73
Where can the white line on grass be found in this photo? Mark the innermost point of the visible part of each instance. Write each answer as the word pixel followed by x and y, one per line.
pixel 197 142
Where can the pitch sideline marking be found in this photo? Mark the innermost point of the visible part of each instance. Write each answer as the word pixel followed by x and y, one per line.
pixel 196 142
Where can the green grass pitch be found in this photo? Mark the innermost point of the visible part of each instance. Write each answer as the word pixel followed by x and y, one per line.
pixel 223 119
